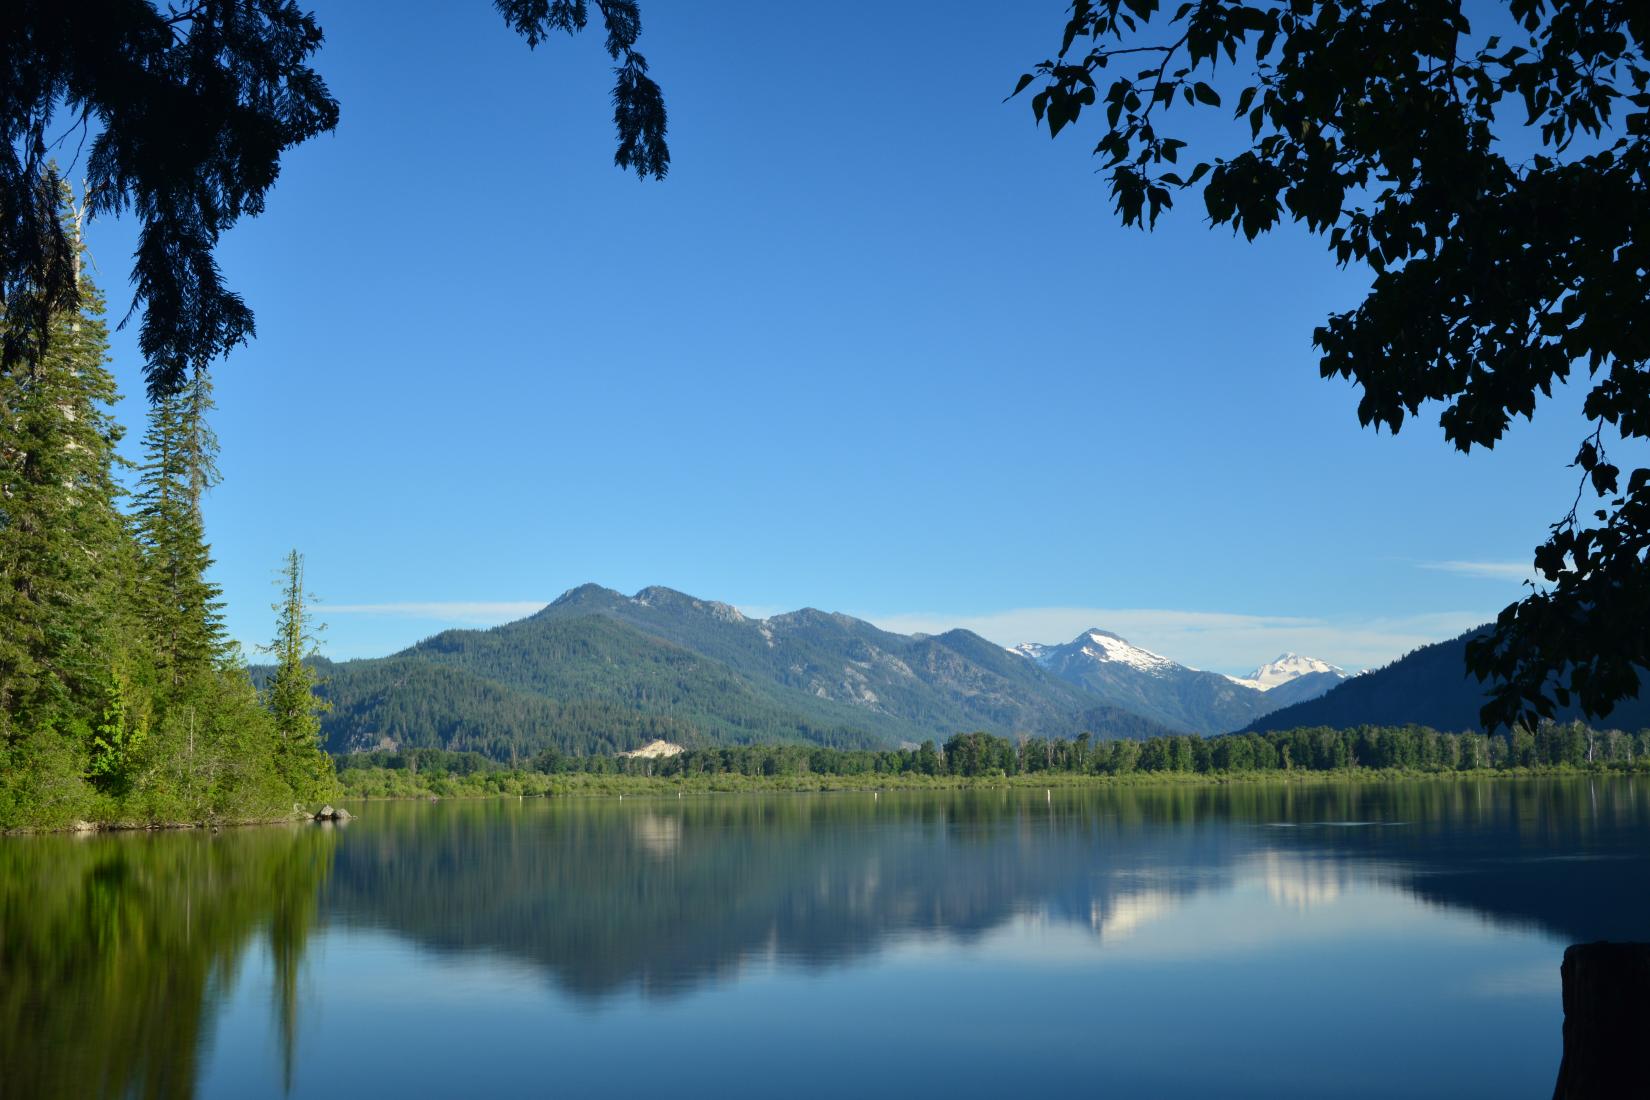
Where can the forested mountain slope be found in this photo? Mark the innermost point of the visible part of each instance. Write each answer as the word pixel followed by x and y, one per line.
pixel 598 671
pixel 1429 687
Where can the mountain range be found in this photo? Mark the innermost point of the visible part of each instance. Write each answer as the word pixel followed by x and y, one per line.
pixel 1180 698
pixel 599 671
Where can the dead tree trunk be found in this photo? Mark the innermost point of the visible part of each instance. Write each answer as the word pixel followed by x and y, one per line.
pixel 1606 1021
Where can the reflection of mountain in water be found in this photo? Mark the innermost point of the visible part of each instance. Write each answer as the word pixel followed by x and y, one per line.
pixel 662 895
pixel 1302 884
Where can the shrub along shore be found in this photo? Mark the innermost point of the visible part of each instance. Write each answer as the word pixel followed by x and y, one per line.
pixel 978 760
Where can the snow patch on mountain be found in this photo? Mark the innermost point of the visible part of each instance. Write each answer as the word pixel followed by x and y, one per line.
pixel 1033 651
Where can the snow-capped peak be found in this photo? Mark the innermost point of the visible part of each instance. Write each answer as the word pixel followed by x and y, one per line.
pixel 1287 667
pixel 1104 646
pixel 1101 646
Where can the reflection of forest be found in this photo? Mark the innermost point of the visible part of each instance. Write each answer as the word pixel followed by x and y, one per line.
pixel 664 894
pixel 115 949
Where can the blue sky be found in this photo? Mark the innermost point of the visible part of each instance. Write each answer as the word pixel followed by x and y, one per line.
pixel 876 346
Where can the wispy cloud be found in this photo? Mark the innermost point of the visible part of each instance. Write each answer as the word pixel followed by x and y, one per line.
pixel 1209 639
pixel 456 611
pixel 1490 570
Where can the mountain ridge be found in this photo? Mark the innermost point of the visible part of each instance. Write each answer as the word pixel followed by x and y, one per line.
pixel 1185 699
pixel 598 671
pixel 1429 686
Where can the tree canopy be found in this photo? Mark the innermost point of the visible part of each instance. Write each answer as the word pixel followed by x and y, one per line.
pixel 1495 183
pixel 188 108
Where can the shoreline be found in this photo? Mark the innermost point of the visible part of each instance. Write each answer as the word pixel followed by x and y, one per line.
pixel 582 785
pixel 93 828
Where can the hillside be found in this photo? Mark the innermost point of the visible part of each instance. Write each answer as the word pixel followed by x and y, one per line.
pixel 1429 687
pixel 420 704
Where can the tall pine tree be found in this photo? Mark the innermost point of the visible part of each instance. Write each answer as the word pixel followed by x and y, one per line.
pixel 182 610
pixel 290 697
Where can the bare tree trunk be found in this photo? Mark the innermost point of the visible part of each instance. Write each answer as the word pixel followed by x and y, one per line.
pixel 1606 1018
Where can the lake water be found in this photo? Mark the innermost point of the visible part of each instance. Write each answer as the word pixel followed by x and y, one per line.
pixel 1249 941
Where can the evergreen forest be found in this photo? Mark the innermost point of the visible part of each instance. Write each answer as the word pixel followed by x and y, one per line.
pixel 122 699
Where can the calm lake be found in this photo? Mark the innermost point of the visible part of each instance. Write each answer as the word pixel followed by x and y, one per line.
pixel 1373 940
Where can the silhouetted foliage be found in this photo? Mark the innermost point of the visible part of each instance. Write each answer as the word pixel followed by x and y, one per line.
pixel 1502 260
pixel 638 105
pixel 193 108
pixel 188 110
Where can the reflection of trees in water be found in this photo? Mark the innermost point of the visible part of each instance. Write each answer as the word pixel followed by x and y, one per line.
pixel 661 895
pixel 113 950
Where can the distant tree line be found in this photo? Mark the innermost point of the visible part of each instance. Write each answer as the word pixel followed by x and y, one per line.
pixel 985 755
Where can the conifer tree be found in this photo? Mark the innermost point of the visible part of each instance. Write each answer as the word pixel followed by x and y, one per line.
pixel 182 610
pixel 290 697
pixel 62 537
